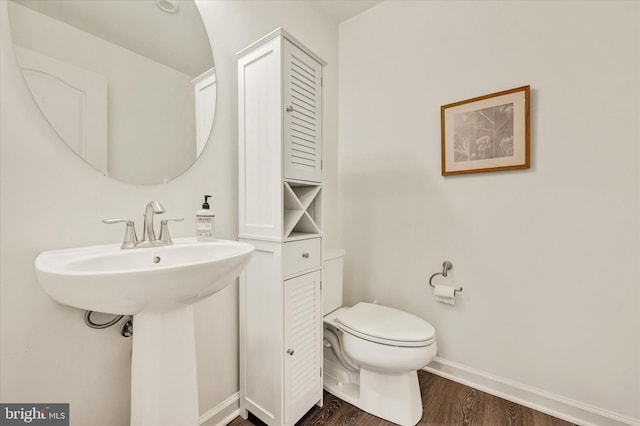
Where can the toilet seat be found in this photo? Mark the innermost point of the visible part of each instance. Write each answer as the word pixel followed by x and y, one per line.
pixel 385 325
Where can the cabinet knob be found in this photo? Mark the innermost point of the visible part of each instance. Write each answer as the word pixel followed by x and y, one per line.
pixel 305 255
pixel 289 109
pixel 290 351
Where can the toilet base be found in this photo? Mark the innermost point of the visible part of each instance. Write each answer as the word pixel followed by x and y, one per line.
pixel 393 397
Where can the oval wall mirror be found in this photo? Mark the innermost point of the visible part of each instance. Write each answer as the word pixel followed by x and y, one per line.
pixel 129 85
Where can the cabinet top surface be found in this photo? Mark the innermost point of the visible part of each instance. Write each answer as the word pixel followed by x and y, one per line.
pixel 281 32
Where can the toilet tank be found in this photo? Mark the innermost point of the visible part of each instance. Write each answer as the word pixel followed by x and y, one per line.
pixel 333 260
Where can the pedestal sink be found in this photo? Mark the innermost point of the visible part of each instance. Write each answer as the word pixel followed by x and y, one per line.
pixel 158 286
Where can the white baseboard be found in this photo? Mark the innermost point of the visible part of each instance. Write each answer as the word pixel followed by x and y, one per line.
pixel 546 402
pixel 223 413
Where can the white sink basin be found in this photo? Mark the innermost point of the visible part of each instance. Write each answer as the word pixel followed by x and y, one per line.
pixel 158 286
pixel 105 278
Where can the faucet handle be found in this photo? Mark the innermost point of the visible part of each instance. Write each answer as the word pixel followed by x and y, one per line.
pixel 130 238
pixel 165 238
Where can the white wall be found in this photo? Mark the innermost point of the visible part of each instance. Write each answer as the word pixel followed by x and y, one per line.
pixel 50 199
pixel 548 257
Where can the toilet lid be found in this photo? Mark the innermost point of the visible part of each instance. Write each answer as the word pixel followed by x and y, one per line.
pixel 385 325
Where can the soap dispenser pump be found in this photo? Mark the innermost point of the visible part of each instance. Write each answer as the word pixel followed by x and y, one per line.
pixel 205 222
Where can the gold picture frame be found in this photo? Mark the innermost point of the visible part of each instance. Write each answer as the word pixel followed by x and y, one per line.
pixel 486 134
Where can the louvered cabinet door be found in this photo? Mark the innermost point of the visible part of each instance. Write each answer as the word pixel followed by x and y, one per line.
pixel 302 122
pixel 302 345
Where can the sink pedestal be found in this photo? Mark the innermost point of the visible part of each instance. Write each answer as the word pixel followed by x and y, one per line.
pixel 164 382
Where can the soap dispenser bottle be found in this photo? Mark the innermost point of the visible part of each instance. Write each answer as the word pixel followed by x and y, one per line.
pixel 205 222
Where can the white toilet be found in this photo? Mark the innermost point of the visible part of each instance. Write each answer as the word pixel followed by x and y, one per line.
pixel 372 352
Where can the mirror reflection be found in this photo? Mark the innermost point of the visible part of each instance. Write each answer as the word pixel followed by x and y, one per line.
pixel 129 85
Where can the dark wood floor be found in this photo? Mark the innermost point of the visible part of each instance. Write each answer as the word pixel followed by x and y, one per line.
pixel 445 403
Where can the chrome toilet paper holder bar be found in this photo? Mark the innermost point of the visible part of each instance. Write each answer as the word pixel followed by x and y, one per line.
pixel 446 266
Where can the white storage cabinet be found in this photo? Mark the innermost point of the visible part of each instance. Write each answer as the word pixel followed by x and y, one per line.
pixel 280 209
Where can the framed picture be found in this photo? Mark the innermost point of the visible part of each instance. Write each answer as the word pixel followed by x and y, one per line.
pixel 487 133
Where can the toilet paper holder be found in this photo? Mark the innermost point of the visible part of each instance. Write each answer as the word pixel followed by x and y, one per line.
pixel 446 266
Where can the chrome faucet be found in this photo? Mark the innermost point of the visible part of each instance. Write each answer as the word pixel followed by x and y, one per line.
pixel 148 234
pixel 130 238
